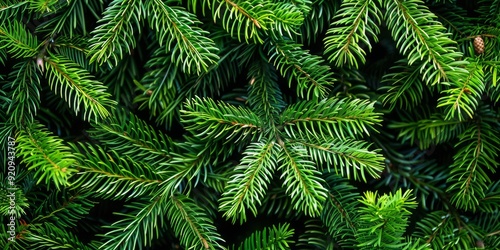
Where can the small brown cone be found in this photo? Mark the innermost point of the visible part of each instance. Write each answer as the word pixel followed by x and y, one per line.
pixel 478 45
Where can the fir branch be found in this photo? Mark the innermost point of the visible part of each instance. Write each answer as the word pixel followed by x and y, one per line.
pixel 477 151
pixel 206 120
pixel 63 208
pixel 44 6
pixel 109 175
pixel 70 18
pixel 313 77
pixel 421 38
pixel 330 118
pixel 115 34
pixel 46 155
pixel 382 220
pixel 407 90
pixel 349 158
pixel 301 180
pixel 339 215
pixel 78 88
pixel 462 97
pixel 358 22
pixel 443 230
pixel 275 237
pixel 428 131
pixel 24 92
pixel 264 95
pixel 243 18
pixel 21 205
pixel 130 136
pixel 191 224
pixel 250 180
pixel 314 236
pixel 49 236
pixel 143 222
pixel 317 20
pixel 18 42
pixel 191 49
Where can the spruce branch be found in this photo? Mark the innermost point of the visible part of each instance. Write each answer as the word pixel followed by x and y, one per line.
pixel 46 155
pixel 191 49
pixel 313 77
pixel 462 97
pixel 78 88
pixel 115 35
pixel 275 237
pixel 348 158
pixel 250 181
pixel 422 39
pixel 207 119
pixel 477 151
pixel 329 118
pixel 24 91
pixel 301 180
pixel 17 41
pixel 109 175
pixel 357 23
pixel 191 224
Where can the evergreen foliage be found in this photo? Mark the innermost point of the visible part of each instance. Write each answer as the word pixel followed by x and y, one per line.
pixel 247 124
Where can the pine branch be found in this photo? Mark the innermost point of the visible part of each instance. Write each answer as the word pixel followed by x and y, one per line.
pixel 301 180
pixel 250 181
pixel 46 155
pixel 191 49
pixel 78 88
pixel 358 22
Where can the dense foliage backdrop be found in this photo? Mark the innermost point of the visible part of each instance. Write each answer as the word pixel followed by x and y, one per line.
pixel 249 124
